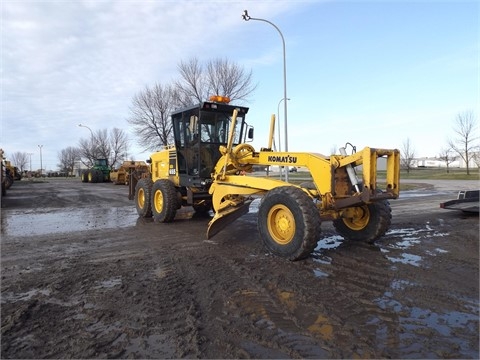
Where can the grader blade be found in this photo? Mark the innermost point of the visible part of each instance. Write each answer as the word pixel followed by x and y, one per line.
pixel 225 217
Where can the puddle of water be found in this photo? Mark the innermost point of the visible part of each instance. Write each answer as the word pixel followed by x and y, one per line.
pixel 408 259
pixel 322 259
pixel 417 321
pixel 53 221
pixel 109 283
pixel 409 238
pixel 400 284
pixel 319 273
pixel 330 242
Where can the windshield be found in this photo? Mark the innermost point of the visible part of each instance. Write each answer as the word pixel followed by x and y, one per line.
pixel 215 128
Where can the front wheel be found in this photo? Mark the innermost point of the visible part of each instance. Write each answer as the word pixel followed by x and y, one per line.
pixel 84 176
pixel 143 196
pixel 164 201
pixel 365 223
pixel 289 223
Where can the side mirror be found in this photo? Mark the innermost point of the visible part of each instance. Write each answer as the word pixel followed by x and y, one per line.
pixel 250 133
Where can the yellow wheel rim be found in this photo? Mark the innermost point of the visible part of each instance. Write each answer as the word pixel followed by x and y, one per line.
pixel 281 224
pixel 357 218
pixel 141 198
pixel 158 201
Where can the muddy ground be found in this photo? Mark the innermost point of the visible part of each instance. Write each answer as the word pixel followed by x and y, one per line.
pixel 83 277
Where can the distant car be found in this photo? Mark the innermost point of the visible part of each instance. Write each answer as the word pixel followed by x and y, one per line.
pixel 293 169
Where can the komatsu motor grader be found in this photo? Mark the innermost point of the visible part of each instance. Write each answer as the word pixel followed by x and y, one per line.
pixel 210 165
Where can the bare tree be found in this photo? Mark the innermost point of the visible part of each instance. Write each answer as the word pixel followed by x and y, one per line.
pixel 67 159
pixel 103 145
pixel 87 151
pixel 465 142
pixel 150 116
pixel 408 154
pixel 119 146
pixel 218 77
pixel 192 87
pixel 446 154
pixel 228 79
pixel 151 108
pixel 476 158
pixel 20 160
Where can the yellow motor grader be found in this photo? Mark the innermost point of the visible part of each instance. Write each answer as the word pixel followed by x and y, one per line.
pixel 210 165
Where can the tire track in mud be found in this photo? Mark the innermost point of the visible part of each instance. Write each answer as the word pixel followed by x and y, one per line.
pixel 261 328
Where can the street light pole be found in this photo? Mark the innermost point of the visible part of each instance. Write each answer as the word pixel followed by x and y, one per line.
pixel 246 17
pixel 41 163
pixel 91 140
pixel 278 120
pixel 91 132
pixel 30 155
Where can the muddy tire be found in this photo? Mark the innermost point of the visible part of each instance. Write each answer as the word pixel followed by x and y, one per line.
pixel 8 181
pixel 365 223
pixel 99 177
pixel 164 201
pixel 289 223
pixel 143 198
pixel 84 176
pixel 91 176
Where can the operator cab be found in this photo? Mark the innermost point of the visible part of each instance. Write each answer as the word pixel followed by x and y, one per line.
pixel 101 162
pixel 199 131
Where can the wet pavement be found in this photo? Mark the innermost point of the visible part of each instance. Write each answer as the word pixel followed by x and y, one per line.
pixel 84 277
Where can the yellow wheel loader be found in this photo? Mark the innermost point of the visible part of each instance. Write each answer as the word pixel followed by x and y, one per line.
pixel 210 166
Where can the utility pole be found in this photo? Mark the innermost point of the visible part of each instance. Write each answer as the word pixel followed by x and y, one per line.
pixel 41 163
pixel 30 155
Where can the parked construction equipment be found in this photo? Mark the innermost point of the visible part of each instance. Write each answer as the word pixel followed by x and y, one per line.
pixel 99 172
pixel 210 165
pixel 121 176
pixel 3 175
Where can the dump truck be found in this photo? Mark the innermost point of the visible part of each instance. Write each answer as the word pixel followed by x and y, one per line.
pixel 121 175
pixel 210 167
pixel 99 172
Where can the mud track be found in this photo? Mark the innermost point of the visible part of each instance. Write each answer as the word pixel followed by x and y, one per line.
pixel 83 277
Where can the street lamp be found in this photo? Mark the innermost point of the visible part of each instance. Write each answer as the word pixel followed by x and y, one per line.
pixel 278 120
pixel 41 163
pixel 85 126
pixel 247 17
pixel 94 148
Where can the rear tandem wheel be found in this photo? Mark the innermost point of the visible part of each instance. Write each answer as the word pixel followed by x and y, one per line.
pixel 143 197
pixel 289 223
pixel 365 223
pixel 164 201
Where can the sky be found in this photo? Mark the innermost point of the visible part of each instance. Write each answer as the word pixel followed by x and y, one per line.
pixel 369 73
